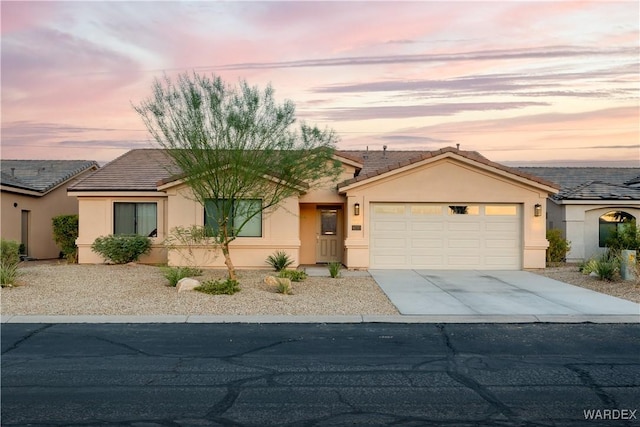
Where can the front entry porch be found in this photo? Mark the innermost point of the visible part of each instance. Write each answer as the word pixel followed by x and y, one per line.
pixel 321 233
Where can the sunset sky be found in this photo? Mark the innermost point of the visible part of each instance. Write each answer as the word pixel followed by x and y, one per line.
pixel 552 82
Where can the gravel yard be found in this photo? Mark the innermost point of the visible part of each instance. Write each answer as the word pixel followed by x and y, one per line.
pixel 71 289
pixel 57 288
pixel 625 289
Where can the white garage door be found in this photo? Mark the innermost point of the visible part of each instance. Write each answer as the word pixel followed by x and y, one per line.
pixel 445 236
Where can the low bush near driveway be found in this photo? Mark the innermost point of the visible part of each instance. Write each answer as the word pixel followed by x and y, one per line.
pixel 219 287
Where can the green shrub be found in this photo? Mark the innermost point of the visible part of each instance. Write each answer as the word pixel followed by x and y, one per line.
pixel 284 286
pixel 65 233
pixel 588 267
pixel 9 260
pixel 9 253
pixel 174 274
pixel 558 246
pixel 293 275
pixel 606 269
pixel 122 248
pixel 334 269
pixel 627 237
pixel 279 260
pixel 219 287
pixel 8 275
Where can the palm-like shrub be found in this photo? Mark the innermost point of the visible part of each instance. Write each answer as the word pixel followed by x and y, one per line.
pixel 279 260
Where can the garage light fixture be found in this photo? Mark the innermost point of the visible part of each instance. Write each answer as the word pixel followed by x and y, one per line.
pixel 537 210
pixel 356 209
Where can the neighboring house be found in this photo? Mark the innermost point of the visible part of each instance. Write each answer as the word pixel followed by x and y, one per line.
pixel 591 203
pixel 33 192
pixel 389 209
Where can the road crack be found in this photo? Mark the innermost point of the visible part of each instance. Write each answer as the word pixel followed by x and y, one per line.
pixel 26 337
pixel 459 373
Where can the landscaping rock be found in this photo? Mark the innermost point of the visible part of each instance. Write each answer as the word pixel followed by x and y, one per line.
pixel 271 281
pixel 187 284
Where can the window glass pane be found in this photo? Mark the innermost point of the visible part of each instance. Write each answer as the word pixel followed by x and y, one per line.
pixel 211 217
pixel 248 209
pixel 610 223
pixel 426 210
pixel 329 222
pixel 504 210
pixel 146 219
pixel 464 210
pixel 243 210
pixel 124 218
pixel 389 209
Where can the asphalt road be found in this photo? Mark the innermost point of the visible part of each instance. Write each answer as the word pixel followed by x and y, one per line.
pixel 146 375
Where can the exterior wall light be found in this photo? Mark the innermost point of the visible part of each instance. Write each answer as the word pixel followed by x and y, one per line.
pixel 356 209
pixel 537 210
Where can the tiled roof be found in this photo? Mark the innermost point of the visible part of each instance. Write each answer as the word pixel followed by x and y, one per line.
pixel 591 183
pixel 379 162
pixel 143 169
pixel 594 190
pixel 41 175
pixel 135 170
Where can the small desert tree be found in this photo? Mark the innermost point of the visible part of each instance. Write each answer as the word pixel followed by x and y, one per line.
pixel 239 151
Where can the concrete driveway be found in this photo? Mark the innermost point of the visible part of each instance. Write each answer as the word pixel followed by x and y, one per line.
pixel 495 293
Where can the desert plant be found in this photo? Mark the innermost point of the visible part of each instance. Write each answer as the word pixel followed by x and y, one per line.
pixel 334 269
pixel 279 260
pixel 122 248
pixel 8 275
pixel 9 260
pixel 558 246
pixel 293 275
pixel 588 267
pixel 284 286
pixel 185 240
pixel 606 269
pixel 627 237
pixel 9 252
pixel 65 233
pixel 174 274
pixel 219 287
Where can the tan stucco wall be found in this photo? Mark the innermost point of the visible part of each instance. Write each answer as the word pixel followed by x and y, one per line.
pixel 446 180
pixel 280 231
pixel 582 228
pixel 42 209
pixel 308 221
pixel 96 219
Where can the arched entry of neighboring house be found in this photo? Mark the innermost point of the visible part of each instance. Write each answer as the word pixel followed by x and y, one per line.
pixel 612 222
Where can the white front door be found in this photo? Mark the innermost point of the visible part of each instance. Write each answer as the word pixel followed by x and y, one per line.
pixel 329 235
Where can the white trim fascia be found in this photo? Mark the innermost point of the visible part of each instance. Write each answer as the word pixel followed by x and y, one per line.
pixel 22 191
pixel 479 165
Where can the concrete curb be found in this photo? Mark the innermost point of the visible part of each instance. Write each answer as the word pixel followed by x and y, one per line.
pixel 599 318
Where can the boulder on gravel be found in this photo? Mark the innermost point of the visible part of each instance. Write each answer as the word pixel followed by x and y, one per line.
pixel 187 284
pixel 271 281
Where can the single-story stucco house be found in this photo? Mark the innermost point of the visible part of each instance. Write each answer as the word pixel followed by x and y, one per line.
pixel 591 203
pixel 33 192
pixel 448 209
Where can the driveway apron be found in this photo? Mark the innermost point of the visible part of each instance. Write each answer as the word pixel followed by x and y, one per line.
pixel 492 292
